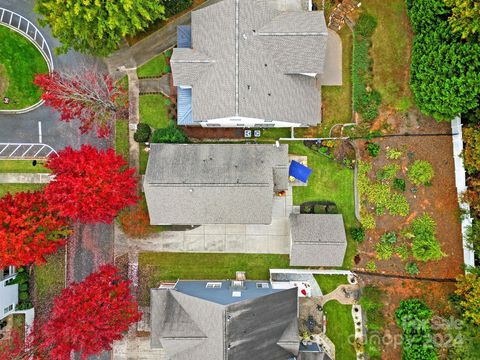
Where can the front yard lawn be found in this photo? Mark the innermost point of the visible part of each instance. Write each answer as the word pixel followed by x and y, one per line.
pixel 49 281
pixel 154 110
pixel 329 182
pixel 155 67
pixel 155 267
pixel 19 62
pixel 14 188
pixel 121 138
pixel 22 166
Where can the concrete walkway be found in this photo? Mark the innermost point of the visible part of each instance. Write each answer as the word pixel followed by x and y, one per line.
pixel 154 44
pixel 24 178
pixel 133 117
pixel 232 238
pixel 156 85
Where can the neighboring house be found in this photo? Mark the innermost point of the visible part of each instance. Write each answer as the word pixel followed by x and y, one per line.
pixel 194 184
pixel 215 320
pixel 317 240
pixel 254 63
pixel 8 293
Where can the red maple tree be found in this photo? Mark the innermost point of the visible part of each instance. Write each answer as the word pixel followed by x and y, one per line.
pixel 90 185
pixel 29 229
pixel 88 316
pixel 86 94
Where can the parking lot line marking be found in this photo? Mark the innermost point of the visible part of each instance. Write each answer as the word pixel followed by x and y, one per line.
pixel 40 132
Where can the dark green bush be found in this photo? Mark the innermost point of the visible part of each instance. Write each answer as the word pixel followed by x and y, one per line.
pixel 332 209
pixel 170 134
pixel 143 133
pixel 307 209
pixel 412 268
pixel 373 149
pixel 399 184
pixel 358 234
pixel 320 209
pixel 23 287
pixel 413 316
pixel 25 305
pixel 389 237
pixel 23 295
pixel 173 7
pixel 365 25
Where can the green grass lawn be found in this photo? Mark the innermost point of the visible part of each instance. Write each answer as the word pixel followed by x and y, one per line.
pixel 50 278
pixel 22 166
pixel 143 159
pixel 121 138
pixel 391 63
pixel 20 61
pixel 339 328
pixel 156 267
pixel 339 317
pixel 328 283
pixel 329 182
pixel 155 67
pixel 336 100
pixel 154 110
pixel 372 303
pixel 14 188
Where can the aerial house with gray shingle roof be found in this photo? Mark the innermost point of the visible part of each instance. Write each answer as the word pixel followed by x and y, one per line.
pixel 229 320
pixel 194 184
pixel 251 63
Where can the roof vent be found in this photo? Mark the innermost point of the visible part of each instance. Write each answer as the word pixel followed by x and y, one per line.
pixel 236 294
pixel 244 36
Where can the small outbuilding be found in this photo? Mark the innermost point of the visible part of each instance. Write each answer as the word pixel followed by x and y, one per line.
pixel 317 240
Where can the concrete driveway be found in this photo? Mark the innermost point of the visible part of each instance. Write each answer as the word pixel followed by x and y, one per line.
pixel 231 238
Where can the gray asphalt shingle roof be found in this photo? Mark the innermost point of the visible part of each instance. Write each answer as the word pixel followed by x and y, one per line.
pixel 317 240
pixel 264 327
pixel 191 184
pixel 253 68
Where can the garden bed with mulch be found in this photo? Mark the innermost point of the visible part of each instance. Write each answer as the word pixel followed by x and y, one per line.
pixel 438 199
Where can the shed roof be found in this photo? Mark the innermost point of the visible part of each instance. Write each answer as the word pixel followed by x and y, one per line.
pixel 191 184
pixel 253 58
pixel 317 240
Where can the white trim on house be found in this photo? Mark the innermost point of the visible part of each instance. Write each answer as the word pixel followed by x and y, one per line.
pixel 246 122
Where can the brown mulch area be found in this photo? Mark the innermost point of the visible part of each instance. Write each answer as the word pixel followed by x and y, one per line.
pixel 394 290
pixel 200 133
pixel 439 200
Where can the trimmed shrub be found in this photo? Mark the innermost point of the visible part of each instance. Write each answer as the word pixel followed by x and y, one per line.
pixel 373 149
pixel 358 234
pixel 412 268
pixel 399 184
pixel 389 238
pixel 402 251
pixel 170 134
pixel 319 209
pixel 421 172
pixel 367 220
pixel 365 25
pixel 371 266
pixel 143 133
pixel 332 209
pixel 23 295
pixel 425 245
pixel 394 154
pixel 23 287
pixel 384 250
pixel 388 172
pixel 307 209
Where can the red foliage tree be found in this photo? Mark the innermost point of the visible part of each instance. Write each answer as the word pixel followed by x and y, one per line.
pixel 87 317
pixel 29 229
pixel 92 97
pixel 90 185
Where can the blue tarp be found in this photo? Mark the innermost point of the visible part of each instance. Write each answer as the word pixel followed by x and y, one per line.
pixel 184 36
pixel 299 171
pixel 184 106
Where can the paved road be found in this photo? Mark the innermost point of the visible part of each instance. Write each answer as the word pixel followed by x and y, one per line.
pixel 24 127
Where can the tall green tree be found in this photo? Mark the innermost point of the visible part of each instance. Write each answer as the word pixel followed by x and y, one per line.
pixel 465 17
pixel 96 26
